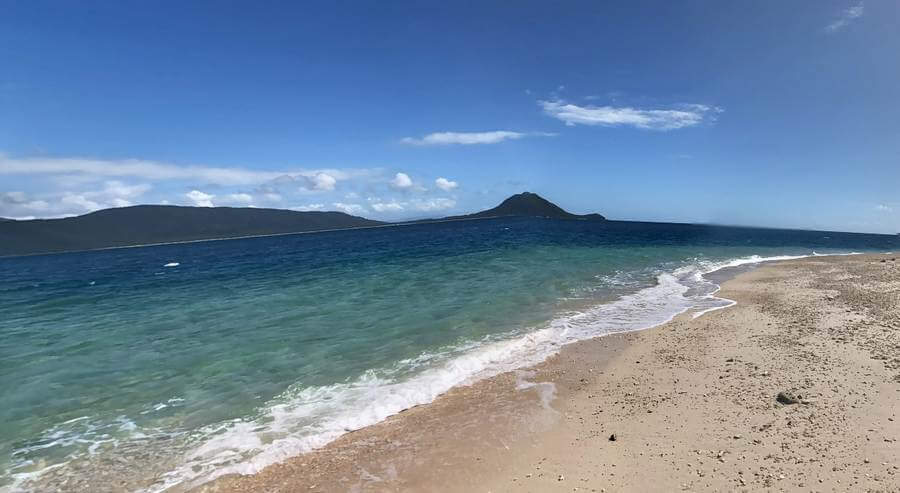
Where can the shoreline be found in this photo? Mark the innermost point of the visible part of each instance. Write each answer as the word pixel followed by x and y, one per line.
pixel 526 351
pixel 492 425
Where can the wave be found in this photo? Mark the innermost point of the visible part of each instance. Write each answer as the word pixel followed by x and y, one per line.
pixel 305 418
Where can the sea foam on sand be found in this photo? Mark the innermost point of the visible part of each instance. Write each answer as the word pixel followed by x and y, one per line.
pixel 303 419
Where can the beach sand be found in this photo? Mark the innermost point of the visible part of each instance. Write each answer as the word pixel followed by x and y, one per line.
pixel 692 404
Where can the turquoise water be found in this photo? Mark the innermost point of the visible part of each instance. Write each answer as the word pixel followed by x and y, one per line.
pixel 167 366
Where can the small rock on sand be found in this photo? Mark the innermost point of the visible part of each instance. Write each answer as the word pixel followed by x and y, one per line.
pixel 787 398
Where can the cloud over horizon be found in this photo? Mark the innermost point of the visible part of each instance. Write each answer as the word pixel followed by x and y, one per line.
pixel 401 181
pixel 200 199
pixel 320 181
pixel 419 204
pixel 49 187
pixel 687 115
pixel 352 209
pixel 445 184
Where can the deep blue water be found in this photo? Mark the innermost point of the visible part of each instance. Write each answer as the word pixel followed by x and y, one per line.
pixel 252 350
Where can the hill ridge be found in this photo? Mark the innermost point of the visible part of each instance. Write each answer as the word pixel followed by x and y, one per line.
pixel 528 204
pixel 159 224
pixel 153 224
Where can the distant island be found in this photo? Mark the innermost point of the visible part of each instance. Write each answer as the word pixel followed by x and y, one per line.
pixel 154 224
pixel 530 205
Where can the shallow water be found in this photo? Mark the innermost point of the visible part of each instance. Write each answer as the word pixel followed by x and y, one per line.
pixel 144 368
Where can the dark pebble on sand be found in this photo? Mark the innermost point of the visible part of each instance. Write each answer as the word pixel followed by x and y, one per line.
pixel 787 398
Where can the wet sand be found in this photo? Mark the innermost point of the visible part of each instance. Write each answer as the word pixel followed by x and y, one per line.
pixel 692 404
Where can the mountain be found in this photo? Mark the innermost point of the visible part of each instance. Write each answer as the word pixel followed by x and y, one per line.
pixel 529 205
pixel 147 224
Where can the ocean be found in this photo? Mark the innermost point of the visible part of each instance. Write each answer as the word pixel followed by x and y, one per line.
pixel 162 367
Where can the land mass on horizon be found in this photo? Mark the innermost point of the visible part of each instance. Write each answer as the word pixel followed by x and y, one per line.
pixel 528 204
pixel 154 224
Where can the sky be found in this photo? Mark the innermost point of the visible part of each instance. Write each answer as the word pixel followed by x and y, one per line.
pixel 769 113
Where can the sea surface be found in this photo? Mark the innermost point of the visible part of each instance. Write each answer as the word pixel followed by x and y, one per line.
pixel 162 367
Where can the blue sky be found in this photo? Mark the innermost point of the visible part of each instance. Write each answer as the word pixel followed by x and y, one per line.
pixel 764 113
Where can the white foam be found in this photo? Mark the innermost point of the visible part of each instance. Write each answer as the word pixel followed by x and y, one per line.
pixel 20 481
pixel 82 430
pixel 303 419
pixel 172 264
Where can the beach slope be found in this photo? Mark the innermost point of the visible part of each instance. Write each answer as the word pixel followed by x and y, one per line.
pixel 794 388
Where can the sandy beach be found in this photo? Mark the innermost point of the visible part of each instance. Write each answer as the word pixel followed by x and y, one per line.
pixel 691 405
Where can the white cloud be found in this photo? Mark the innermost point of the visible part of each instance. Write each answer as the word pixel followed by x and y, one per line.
pixel 13 204
pixel 239 198
pixel 445 184
pixel 884 208
pixel 470 138
pixel 435 204
pixel 37 205
pixel 425 205
pixel 200 199
pixel 68 202
pixel 119 190
pixel 14 197
pixel 354 209
pixel 321 181
pixel 686 116
pixel 148 170
pixel 80 201
pixel 74 171
pixel 392 206
pixel 77 186
pixel 845 17
pixel 113 194
pixel 401 180
pixel 309 207
pixel 70 186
